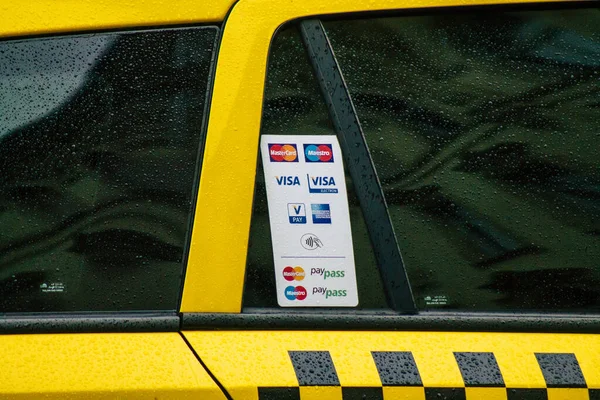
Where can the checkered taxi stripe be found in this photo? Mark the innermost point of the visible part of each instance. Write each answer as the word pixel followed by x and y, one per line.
pixel 400 379
pixel 337 365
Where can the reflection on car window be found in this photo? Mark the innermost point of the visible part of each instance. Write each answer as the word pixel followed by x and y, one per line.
pixel 293 105
pixel 484 131
pixel 99 138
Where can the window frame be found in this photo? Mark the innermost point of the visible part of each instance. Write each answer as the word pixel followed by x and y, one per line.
pixel 217 259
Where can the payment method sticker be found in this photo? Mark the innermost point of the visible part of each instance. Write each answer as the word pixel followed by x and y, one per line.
pixel 310 221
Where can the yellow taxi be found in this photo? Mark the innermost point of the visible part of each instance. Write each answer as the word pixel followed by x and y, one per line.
pixel 357 199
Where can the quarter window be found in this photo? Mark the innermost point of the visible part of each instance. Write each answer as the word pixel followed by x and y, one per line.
pixel 99 142
pixel 483 129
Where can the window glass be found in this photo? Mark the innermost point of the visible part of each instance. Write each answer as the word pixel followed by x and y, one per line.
pixel 483 127
pixel 293 105
pixel 99 141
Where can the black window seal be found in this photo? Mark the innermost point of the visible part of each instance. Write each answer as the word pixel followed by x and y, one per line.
pixel 35 323
pixel 369 320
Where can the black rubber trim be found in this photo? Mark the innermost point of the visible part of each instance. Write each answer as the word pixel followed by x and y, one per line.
pixel 388 321
pixel 89 323
pixel 360 165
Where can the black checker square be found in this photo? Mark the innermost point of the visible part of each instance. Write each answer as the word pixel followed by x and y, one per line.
pixel 479 369
pixel 594 394
pixel 561 370
pixel 397 368
pixel 279 393
pixel 526 394
pixel 362 393
pixel 314 368
pixel 445 394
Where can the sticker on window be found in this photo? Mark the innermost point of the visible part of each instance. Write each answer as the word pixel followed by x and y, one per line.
pixel 310 221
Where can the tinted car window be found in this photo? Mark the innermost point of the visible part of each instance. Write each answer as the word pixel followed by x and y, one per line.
pixel 484 131
pixel 99 141
pixel 293 105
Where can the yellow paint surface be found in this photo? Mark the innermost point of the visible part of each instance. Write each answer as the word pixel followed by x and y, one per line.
pixel 217 260
pixel 320 393
pixel 403 393
pixel 245 360
pixel 28 17
pixel 568 394
pixel 102 366
pixel 477 393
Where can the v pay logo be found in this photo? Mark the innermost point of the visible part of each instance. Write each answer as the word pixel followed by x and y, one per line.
pixel 297 213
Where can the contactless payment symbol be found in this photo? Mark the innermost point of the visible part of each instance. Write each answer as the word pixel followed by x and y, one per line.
pixel 295 292
pixel 281 152
pixel 321 214
pixel 318 153
pixel 297 213
pixel 293 273
pixel 310 241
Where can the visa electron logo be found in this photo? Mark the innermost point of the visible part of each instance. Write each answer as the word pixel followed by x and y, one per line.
pixel 287 180
pixel 295 293
pixel 280 152
pixel 318 153
pixel 327 274
pixel 293 273
pixel 321 184
pixel 329 293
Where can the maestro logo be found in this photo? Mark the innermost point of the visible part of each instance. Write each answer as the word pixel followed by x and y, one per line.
pixel 280 152
pixel 318 153
pixel 295 293
pixel 293 273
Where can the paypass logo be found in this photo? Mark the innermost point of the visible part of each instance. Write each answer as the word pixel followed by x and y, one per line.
pixel 318 153
pixel 295 293
pixel 280 152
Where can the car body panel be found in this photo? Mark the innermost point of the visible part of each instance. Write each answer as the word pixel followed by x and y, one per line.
pixel 262 359
pixel 161 365
pixel 102 366
pixel 36 17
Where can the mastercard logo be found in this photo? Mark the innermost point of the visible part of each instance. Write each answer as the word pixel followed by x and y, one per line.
pixel 318 153
pixel 295 293
pixel 293 273
pixel 279 152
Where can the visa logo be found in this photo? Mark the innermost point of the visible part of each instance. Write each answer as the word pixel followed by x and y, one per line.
pixel 321 184
pixel 287 180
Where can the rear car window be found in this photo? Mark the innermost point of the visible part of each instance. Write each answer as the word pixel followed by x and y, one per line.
pixel 99 143
pixel 483 129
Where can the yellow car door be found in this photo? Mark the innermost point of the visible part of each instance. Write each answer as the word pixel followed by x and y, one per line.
pixel 466 132
pixel 102 108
